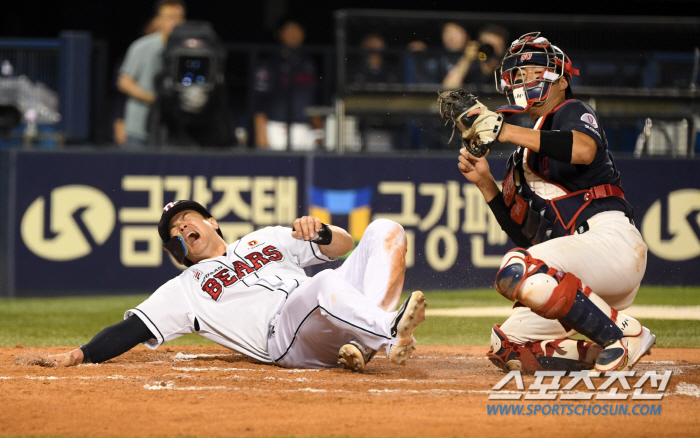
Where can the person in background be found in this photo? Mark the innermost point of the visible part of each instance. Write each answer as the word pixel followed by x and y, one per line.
pixel 488 50
pixel 140 67
pixel 431 65
pixel 377 132
pixel 118 123
pixel 285 84
pixel 454 40
pixel 373 68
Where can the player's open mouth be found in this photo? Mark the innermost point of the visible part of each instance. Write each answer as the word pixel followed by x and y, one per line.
pixel 192 237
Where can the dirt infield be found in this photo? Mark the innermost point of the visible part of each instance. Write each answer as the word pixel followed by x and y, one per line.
pixel 443 391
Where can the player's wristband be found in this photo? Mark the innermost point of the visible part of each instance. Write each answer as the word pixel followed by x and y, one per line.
pixel 558 145
pixel 325 235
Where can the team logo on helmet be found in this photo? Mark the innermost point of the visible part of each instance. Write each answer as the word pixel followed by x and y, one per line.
pixel 528 50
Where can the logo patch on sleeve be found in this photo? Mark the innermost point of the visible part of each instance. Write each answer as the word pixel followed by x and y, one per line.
pixel 588 118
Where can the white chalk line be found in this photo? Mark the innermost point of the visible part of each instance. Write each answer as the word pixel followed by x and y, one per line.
pixel 682 388
pixel 640 312
pixel 216 369
pixel 675 369
pixel 281 379
pixel 452 358
pixel 183 357
pixel 171 386
pixel 689 389
pixel 244 369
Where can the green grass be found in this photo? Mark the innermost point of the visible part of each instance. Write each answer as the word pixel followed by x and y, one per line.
pixel 439 330
pixel 66 321
pixel 74 321
pixel 647 295
pixel 668 296
pixel 443 330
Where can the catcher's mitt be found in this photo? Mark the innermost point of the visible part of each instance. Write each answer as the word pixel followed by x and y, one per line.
pixel 482 129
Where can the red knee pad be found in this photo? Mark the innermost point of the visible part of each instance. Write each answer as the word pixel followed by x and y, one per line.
pixel 563 297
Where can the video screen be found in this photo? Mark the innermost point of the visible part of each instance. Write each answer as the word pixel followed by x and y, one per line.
pixel 193 70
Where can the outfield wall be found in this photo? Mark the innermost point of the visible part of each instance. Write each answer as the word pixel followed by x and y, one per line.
pixel 85 222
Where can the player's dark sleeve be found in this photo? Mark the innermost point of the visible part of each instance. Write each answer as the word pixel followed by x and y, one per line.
pixel 115 340
pixel 511 228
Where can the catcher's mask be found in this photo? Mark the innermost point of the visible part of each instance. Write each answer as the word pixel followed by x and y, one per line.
pixel 529 50
pixel 175 245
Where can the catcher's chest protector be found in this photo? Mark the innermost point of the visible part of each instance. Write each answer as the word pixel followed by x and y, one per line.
pixel 550 199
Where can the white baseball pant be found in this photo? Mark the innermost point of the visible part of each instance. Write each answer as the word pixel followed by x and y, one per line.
pixel 357 300
pixel 610 258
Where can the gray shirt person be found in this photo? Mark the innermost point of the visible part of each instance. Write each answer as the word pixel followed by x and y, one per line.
pixel 143 62
pixel 141 65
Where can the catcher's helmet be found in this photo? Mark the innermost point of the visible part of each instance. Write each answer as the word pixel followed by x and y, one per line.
pixel 531 49
pixel 176 246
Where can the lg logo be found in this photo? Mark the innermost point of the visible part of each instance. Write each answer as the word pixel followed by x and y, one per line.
pixel 80 217
pixel 673 233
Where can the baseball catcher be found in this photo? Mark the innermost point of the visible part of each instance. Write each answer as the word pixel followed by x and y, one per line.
pixel 579 259
pixel 253 296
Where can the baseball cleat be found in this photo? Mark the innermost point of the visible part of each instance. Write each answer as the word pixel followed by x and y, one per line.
pixel 554 354
pixel 354 356
pixel 624 354
pixel 411 313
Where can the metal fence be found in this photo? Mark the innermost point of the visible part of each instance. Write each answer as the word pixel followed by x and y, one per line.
pixel 633 69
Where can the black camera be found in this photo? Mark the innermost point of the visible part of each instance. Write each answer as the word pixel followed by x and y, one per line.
pixel 192 107
pixel 193 70
pixel 486 52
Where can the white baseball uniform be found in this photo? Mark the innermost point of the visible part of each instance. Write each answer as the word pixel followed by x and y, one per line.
pixel 610 258
pixel 257 299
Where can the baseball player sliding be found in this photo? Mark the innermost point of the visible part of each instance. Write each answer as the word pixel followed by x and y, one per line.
pixel 581 259
pixel 253 296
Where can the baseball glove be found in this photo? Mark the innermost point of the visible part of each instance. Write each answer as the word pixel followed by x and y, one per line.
pixel 479 134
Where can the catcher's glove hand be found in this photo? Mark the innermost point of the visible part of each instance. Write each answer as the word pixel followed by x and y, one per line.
pixel 482 128
pixel 454 106
pixel 484 132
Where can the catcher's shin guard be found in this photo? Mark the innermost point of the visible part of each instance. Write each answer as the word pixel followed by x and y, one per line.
pixel 557 295
pixel 551 355
pixel 623 353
